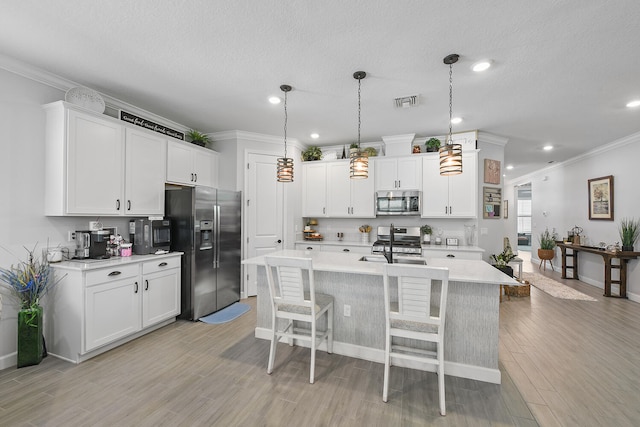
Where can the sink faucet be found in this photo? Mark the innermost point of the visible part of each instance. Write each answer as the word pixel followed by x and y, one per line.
pixel 389 256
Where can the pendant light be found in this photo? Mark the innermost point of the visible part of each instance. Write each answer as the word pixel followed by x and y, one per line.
pixel 285 164
pixel 450 153
pixel 358 160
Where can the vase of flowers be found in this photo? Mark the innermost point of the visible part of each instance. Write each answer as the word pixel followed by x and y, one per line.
pixel 501 260
pixel 29 281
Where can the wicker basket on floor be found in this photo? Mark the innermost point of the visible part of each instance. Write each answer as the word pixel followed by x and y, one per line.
pixel 523 290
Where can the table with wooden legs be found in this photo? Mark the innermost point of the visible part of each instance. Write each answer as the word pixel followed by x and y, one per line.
pixel 623 258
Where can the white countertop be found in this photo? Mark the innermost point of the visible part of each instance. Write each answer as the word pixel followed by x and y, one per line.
pixel 94 264
pixel 474 271
pixel 370 244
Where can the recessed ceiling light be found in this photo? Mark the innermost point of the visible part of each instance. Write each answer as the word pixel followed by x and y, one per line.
pixel 275 99
pixel 481 66
pixel 315 136
pixel 456 120
pixel 547 147
pixel 510 167
pixel 634 103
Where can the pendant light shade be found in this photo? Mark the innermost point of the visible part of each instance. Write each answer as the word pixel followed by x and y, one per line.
pixel 285 164
pixel 450 153
pixel 358 160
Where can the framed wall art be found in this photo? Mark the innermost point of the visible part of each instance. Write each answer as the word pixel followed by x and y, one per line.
pixel 492 171
pixel 601 198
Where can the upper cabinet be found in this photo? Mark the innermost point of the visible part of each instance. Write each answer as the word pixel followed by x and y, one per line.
pixel 450 196
pixel 314 189
pixel 191 165
pixel 145 173
pixel 398 173
pixel 346 197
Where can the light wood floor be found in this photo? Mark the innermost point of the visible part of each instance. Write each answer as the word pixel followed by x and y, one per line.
pixel 570 363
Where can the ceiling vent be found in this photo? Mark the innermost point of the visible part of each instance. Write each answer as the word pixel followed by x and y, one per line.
pixel 407 101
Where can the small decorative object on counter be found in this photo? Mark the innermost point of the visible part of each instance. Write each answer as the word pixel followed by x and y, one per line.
pixel 126 249
pixel 364 231
pixel 426 233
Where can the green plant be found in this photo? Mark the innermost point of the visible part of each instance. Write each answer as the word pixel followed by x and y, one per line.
pixel 312 153
pixel 629 231
pixel 547 239
pixel 503 258
pixel 371 152
pixel 354 145
pixel 433 144
pixel 198 138
pixel 426 229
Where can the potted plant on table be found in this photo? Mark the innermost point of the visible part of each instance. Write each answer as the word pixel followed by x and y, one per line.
pixel 198 138
pixel 501 260
pixel 629 231
pixel 426 233
pixel 547 242
pixel 433 145
pixel 29 281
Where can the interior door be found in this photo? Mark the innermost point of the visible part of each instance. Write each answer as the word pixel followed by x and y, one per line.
pixel 264 212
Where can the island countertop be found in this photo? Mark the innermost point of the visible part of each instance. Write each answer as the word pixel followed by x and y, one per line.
pixel 470 271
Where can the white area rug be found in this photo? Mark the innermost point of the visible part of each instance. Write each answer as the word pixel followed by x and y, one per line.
pixel 554 288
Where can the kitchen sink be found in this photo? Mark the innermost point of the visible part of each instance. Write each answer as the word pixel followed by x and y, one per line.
pixel 396 260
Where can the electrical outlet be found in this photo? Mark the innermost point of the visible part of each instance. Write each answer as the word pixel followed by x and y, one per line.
pixel 71 236
pixel 347 310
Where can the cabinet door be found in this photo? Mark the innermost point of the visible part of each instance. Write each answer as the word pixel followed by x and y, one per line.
pixel 435 188
pixel 314 189
pixel 95 166
pixel 160 296
pixel 112 311
pixel 363 194
pixel 386 176
pixel 205 168
pixel 409 173
pixel 145 173
pixel 180 163
pixel 338 189
pixel 463 189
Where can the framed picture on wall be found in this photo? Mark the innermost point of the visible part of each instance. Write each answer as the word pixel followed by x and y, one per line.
pixel 491 171
pixel 601 198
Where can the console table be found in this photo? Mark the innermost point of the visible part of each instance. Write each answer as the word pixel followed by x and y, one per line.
pixel 623 258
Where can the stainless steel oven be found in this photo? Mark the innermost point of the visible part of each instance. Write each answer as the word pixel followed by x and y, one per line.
pixel 398 202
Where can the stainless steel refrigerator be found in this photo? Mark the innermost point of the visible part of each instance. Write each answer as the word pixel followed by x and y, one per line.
pixel 205 225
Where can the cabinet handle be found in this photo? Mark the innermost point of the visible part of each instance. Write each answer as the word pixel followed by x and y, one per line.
pixel 451 256
pixel 191 176
pixel 136 291
pixel 309 248
pixel 450 210
pixel 162 264
pixel 323 210
pixel 446 209
pixel 146 285
pixel 399 185
pixel 117 204
pixel 115 273
pixel 128 205
pixel 196 175
pixel 346 250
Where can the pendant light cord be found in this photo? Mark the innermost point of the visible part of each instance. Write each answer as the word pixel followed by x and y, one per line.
pixel 359 81
pixel 450 140
pixel 285 124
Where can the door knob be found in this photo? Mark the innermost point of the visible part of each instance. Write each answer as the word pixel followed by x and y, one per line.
pixel 278 241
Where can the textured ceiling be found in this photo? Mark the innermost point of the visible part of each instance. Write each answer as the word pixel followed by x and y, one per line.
pixel 562 70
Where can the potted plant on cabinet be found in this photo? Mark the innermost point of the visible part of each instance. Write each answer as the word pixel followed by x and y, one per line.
pixel 312 153
pixel 198 138
pixel 29 281
pixel 547 241
pixel 629 231
pixel 426 233
pixel 433 144
pixel 501 260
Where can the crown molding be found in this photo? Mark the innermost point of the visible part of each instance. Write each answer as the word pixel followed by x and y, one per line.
pixel 234 135
pixel 492 139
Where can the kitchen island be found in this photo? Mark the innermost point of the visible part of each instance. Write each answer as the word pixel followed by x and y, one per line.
pixel 471 329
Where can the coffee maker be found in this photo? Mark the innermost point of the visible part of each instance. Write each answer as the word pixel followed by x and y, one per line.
pixel 92 244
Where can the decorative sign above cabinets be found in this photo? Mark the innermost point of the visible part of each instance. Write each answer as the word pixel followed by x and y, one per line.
pixel 147 124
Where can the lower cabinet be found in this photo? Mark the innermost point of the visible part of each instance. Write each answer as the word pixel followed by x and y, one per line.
pixel 356 249
pixel 92 311
pixel 453 253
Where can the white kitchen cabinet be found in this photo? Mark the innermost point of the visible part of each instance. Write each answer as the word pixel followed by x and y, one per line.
pixel 398 173
pixel 191 165
pixel 308 247
pixel 355 249
pixel 160 290
pixel 455 252
pixel 454 196
pixel 97 166
pixel 314 189
pixel 98 306
pixel 145 173
pixel 346 197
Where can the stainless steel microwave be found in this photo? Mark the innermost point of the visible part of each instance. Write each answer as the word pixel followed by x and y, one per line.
pixel 398 202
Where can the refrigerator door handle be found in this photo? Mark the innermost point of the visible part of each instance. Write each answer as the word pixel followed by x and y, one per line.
pixel 216 255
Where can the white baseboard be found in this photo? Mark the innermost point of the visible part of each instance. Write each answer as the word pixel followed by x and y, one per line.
pixel 377 355
pixel 9 360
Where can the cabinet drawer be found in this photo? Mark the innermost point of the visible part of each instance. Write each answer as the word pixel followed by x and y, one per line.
pixel 112 274
pixel 160 264
pixel 308 246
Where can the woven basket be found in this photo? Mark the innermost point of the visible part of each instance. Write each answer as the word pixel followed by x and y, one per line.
pixel 518 291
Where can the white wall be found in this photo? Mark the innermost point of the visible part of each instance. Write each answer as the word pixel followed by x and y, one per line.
pixel 561 192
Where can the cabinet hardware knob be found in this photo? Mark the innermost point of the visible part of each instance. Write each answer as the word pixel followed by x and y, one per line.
pixel 146 285
pixel 117 204
pixel 128 205
pixel 309 248
pixel 346 250
pixel 162 264
pixel 278 241
pixel 115 273
pixel 451 256
pixel 136 288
